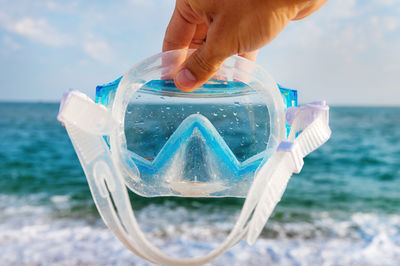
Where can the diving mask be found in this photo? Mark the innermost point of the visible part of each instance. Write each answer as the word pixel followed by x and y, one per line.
pixel 238 135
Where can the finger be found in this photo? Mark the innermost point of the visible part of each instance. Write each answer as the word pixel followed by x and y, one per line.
pixel 199 36
pixel 179 32
pixel 250 55
pixel 309 9
pixel 178 35
pixel 204 62
pixel 197 69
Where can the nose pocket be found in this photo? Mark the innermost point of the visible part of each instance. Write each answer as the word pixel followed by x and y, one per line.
pixel 196 159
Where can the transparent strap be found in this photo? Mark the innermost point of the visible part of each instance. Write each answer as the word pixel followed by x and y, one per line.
pixel 108 189
pixel 313 122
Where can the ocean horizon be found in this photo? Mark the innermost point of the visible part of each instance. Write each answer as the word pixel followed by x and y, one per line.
pixel 342 209
pixel 334 105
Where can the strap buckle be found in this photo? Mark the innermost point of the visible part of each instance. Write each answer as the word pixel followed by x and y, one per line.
pixel 295 154
pixel 78 109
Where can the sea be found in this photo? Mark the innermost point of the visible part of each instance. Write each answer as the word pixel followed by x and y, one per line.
pixel 342 209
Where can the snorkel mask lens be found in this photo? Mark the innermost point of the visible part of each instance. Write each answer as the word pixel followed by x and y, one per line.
pixel 208 142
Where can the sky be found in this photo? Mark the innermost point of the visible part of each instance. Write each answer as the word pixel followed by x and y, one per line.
pixel 347 53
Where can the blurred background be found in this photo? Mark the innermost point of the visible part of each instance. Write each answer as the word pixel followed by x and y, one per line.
pixel 343 209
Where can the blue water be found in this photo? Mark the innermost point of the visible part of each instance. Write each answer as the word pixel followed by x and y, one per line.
pixel 344 207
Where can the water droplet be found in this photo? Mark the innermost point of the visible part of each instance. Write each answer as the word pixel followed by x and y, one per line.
pixel 167 107
pixel 215 114
pixel 221 109
pixel 224 115
pixel 234 113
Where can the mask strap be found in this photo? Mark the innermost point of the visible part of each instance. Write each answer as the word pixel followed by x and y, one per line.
pixel 81 115
pixel 313 122
pixel 108 188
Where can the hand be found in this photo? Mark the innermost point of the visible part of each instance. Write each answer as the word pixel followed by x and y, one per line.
pixel 219 29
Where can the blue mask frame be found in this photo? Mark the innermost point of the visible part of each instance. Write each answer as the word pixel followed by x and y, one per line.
pixel 105 93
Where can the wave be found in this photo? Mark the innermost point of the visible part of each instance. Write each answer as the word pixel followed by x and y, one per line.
pixel 31 234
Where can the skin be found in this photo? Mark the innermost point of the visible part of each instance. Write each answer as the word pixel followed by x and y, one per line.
pixel 219 29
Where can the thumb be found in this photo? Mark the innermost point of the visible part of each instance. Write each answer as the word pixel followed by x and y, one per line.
pixel 199 67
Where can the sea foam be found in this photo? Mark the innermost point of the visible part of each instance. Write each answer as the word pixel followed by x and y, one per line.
pixel 362 239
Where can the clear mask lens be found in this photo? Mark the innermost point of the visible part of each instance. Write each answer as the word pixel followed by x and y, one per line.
pixel 205 143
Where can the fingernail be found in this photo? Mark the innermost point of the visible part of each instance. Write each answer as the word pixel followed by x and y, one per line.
pixel 186 79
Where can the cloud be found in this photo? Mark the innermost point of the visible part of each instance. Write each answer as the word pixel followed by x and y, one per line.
pixel 348 25
pixel 341 9
pixel 347 53
pixel 41 31
pixel 385 2
pixel 345 46
pixel 390 23
pixel 142 2
pixel 38 30
pixel 10 43
pixel 99 50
